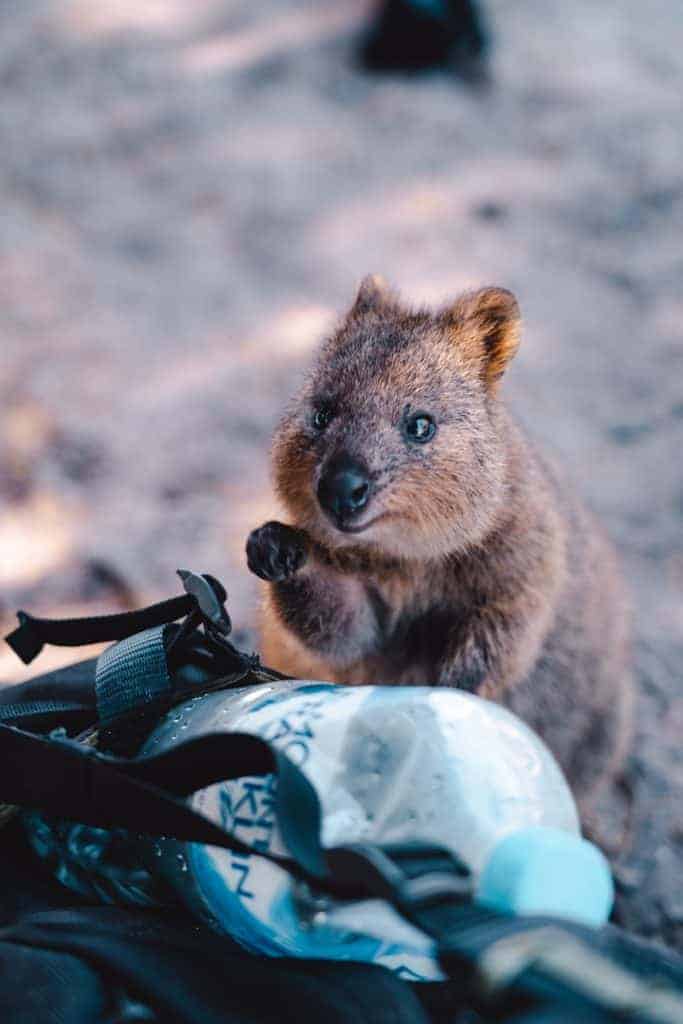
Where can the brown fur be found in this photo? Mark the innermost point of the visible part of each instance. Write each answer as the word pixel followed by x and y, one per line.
pixel 478 568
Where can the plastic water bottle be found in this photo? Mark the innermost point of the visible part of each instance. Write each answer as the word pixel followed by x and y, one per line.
pixel 390 765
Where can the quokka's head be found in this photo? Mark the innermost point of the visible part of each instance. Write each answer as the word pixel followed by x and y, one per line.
pixel 394 442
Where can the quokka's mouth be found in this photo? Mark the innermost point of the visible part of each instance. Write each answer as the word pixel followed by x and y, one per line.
pixel 359 527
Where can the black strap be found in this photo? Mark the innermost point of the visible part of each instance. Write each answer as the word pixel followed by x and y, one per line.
pixel 28 639
pixel 132 673
pixel 204 594
pixel 69 780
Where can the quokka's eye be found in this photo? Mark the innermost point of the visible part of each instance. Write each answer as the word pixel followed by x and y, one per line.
pixel 321 417
pixel 420 428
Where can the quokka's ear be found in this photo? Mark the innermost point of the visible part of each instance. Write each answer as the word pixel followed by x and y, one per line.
pixel 487 326
pixel 373 294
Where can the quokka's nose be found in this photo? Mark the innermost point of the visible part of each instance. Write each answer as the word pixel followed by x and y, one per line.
pixel 344 489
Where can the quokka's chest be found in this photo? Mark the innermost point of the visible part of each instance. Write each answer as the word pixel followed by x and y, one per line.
pixel 413 635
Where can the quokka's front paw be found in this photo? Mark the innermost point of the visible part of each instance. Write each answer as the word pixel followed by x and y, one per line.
pixel 275 551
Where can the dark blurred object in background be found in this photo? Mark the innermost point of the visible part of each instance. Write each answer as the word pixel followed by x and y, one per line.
pixel 413 35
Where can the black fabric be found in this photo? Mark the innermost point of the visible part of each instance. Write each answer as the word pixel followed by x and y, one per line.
pixel 44 986
pixel 192 975
pixel 40 985
pixel 65 697
pixel 64 962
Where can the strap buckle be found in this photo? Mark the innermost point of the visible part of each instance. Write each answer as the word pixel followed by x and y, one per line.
pixel 210 596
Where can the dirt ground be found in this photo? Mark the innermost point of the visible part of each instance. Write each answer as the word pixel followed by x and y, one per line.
pixel 189 194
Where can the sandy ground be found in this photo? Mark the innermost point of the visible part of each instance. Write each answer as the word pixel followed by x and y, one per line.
pixel 189 194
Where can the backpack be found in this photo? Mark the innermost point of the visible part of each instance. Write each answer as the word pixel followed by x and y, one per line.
pixel 69 743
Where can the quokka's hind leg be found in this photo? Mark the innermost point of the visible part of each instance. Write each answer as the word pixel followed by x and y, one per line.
pixel 610 820
pixel 608 808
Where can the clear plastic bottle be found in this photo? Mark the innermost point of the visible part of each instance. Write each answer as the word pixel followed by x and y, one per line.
pixel 390 764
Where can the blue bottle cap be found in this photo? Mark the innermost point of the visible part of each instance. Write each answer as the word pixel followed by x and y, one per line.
pixel 547 871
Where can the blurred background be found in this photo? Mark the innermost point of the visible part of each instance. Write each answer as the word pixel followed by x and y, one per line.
pixel 189 195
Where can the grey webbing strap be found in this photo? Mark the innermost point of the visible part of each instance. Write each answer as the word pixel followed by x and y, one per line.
pixel 131 673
